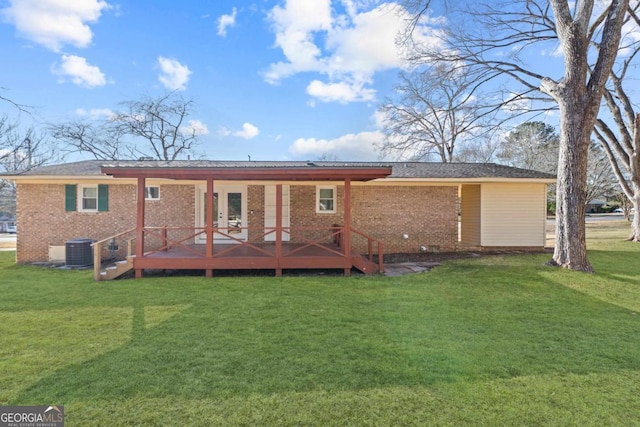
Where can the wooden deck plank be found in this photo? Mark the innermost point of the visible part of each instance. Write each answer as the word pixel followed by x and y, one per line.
pixel 242 257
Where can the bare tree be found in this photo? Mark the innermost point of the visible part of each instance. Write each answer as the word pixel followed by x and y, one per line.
pixel 20 150
pixel 535 145
pixel 531 145
pixel 436 108
pixel 494 42
pixel 621 199
pixel 619 135
pixel 484 149
pixel 150 127
pixel 18 107
pixel 601 181
pixel 160 123
pixel 101 140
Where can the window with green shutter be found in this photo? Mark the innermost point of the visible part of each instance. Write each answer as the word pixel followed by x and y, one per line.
pixel 86 198
pixel 70 197
pixel 103 198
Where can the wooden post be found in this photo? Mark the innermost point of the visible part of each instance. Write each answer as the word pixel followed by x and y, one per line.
pixel 347 226
pixel 140 224
pixel 164 239
pixel 209 224
pixel 278 229
pixel 97 261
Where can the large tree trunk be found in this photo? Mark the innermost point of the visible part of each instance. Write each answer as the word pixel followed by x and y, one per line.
pixel 635 221
pixel 634 163
pixel 578 95
pixel 571 248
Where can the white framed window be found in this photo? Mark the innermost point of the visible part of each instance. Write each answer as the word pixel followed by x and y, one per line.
pixel 326 199
pixel 152 192
pixel 88 198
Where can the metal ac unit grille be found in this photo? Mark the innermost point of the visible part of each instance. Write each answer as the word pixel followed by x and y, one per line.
pixel 79 252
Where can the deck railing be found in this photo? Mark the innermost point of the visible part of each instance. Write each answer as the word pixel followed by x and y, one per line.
pixel 257 235
pixel 324 240
pixel 374 247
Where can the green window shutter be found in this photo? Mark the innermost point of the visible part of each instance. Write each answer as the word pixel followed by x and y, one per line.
pixel 103 198
pixel 70 195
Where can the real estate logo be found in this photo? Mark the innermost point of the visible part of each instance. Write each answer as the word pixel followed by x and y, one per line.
pixel 32 416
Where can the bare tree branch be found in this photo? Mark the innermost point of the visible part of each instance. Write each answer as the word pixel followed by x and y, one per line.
pixel 149 127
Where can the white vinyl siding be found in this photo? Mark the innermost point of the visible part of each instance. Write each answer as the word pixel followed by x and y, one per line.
pixel 513 214
pixel 270 211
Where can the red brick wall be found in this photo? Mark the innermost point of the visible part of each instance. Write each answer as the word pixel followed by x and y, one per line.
pixel 43 220
pixel 426 215
pixel 255 211
pixel 303 212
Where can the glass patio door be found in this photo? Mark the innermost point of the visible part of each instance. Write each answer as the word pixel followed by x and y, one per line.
pixel 229 213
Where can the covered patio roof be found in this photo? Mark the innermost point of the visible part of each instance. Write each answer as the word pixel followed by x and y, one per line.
pixel 258 172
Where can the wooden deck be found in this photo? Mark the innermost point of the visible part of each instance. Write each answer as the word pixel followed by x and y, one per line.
pixel 241 257
pixel 174 250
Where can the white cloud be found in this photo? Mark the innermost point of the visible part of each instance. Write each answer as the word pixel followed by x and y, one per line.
pixel 79 71
pixel 54 23
pixel 340 92
pixel 368 43
pixel 173 75
pixel 294 26
pixel 95 113
pixel 248 131
pixel 348 49
pixel 226 21
pixel 195 127
pixel 362 146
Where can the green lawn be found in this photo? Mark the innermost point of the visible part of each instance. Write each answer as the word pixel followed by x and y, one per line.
pixel 490 341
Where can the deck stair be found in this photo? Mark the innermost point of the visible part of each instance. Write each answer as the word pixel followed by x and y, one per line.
pixel 363 264
pixel 116 270
pixel 109 248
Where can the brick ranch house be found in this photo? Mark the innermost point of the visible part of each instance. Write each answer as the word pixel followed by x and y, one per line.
pixel 210 215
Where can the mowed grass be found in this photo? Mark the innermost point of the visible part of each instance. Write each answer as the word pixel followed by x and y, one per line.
pixel 499 340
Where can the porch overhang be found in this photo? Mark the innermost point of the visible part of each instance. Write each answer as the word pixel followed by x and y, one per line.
pixel 304 173
pixel 301 172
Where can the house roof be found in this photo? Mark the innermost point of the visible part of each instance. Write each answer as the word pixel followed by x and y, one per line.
pixel 399 170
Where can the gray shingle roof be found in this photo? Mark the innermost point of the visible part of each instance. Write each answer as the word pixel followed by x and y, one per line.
pixel 400 169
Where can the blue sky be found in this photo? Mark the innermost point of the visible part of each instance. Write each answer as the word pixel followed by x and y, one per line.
pixel 274 80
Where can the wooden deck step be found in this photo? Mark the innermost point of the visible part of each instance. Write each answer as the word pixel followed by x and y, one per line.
pixel 363 264
pixel 117 270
